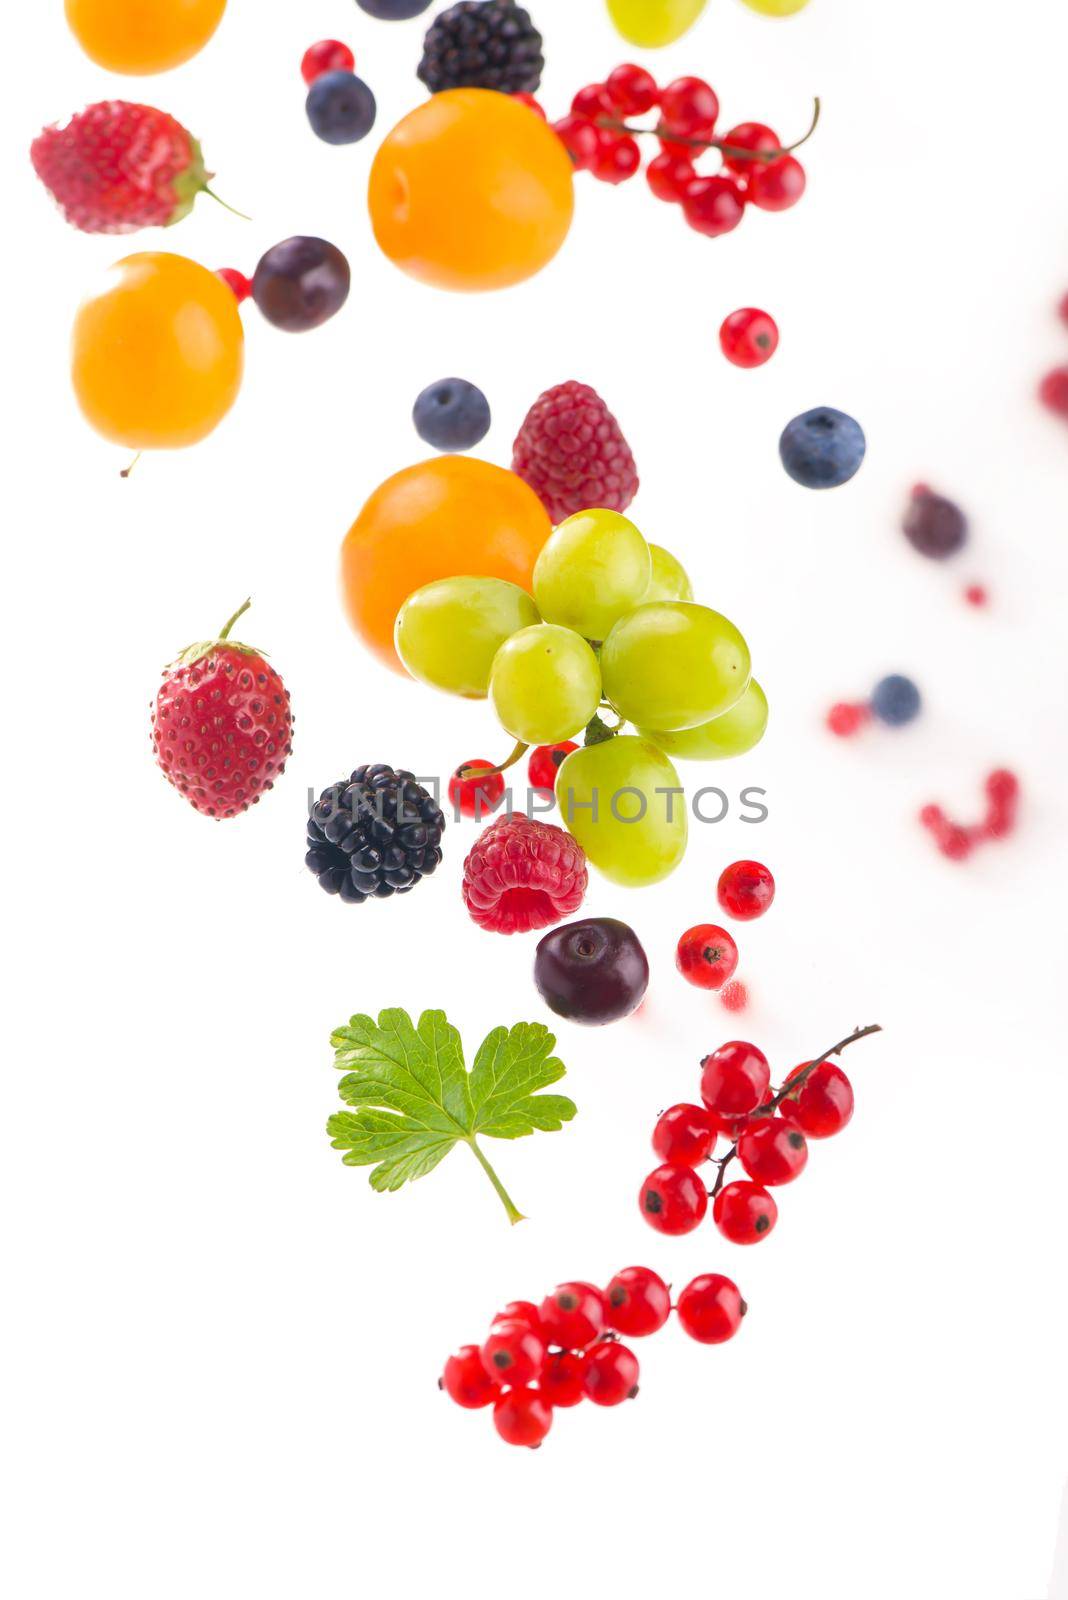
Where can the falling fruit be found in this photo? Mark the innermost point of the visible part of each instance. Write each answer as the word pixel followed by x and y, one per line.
pixel 652 23
pixel 136 38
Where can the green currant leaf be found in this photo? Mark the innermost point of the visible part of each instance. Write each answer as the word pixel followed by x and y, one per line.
pixel 415 1098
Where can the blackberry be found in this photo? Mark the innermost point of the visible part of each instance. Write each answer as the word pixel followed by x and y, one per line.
pixel 483 44
pixel 375 834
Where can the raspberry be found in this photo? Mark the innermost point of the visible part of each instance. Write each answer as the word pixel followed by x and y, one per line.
pixel 523 875
pixel 572 453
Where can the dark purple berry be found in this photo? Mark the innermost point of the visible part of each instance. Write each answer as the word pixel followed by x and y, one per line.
pixel 933 525
pixel 301 283
pixel 594 971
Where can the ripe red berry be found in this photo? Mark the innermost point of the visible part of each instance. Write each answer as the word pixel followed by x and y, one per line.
pixel 329 55
pixel 522 875
pixel 593 102
pixel 711 1309
pixel 574 1315
pixel 546 762
pixel 520 1311
pixel 571 451
pixel 1062 309
pixel 561 1380
pixel 713 206
pixel 241 286
pixel 472 796
pixel 734 996
pixel 639 1302
pixel 976 595
pixel 734 1079
pixel 847 718
pixel 689 107
pixel 529 101
pixel 673 1199
pixel 522 1417
pixel 684 1135
pixel 823 1104
pixel 773 1151
pixel 631 90
pixel 513 1353
pixel 749 337
pixel 745 890
pixel 778 185
pixel 748 136
pixel 1002 787
pixel 669 175
pixel 1053 391
pixel 580 139
pixel 744 1212
pixel 618 159
pixel 706 956
pixel 610 1374
pixel 466 1381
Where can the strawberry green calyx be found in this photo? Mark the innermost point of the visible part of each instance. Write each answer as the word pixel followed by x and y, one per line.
pixel 193 180
pixel 204 647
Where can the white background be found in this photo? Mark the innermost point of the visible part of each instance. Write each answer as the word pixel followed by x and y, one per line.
pixel 223 1345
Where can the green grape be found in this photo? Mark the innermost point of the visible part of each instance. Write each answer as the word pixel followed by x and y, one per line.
pixel 545 684
pixel 447 633
pixel 623 802
pixel 670 580
pixel 730 734
pixel 776 8
pixel 674 665
pixel 593 570
pixel 654 22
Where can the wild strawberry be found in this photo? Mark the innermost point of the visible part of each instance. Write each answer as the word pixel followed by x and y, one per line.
pixel 221 725
pixel 116 167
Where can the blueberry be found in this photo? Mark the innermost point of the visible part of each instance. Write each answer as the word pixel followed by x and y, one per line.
pixel 895 700
pixel 934 525
pixel 394 10
pixel 822 448
pixel 340 107
pixel 301 283
pixel 451 414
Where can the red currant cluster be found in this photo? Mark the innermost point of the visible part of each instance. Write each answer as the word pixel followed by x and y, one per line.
pixel 472 796
pixel 538 1359
pixel 956 840
pixel 767 1132
pixel 755 169
pixel 1053 390
pixel 707 955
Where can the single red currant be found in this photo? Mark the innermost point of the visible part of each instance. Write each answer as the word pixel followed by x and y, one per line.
pixel 618 159
pixel 711 1309
pixel 522 1417
pixel 706 956
pixel 473 796
pixel 744 1212
pixel 684 1135
pixel 713 206
pixel 593 102
pixel 610 1374
pixel 689 107
pixel 778 185
pixel 545 763
pixel 237 281
pixel 673 1199
pixel 749 337
pixel 1062 309
pixel 529 101
pixel 847 718
pixel 976 595
pixel 748 136
pixel 745 890
pixel 580 138
pixel 639 1302
pixel 1002 787
pixel 466 1381
pixel 823 1104
pixel 734 1079
pixel 520 1311
pixel 773 1151
pixel 574 1315
pixel 1053 391
pixel 329 55
pixel 631 90
pixel 513 1353
pixel 668 176
pixel 734 996
pixel 561 1380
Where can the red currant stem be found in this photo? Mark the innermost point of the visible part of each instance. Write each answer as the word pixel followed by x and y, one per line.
pixel 766 156
pixel 125 473
pixel 219 201
pixel 789 1088
pixel 514 1214
pixel 240 612
pixel 465 772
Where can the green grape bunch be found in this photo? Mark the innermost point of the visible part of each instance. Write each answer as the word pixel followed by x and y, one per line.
pixel 611 636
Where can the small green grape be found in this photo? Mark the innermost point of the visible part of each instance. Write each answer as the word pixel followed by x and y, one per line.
pixel 447 633
pixel 670 580
pixel 732 733
pixel 776 8
pixel 545 684
pixel 674 665
pixel 623 802
pixel 654 22
pixel 593 570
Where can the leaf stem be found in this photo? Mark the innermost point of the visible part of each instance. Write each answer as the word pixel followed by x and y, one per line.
pixel 219 201
pixel 240 612
pixel 514 1214
pixel 517 754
